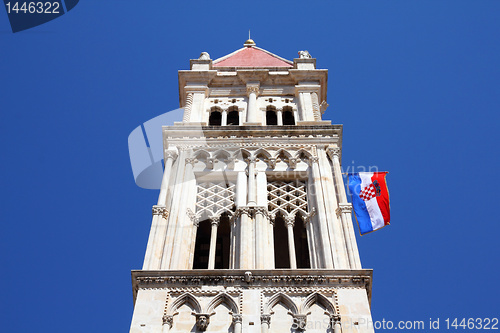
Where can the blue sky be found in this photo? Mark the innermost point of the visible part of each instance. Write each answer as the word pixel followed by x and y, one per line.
pixel 415 83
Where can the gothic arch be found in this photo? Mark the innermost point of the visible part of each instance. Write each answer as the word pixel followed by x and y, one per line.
pixel 201 155
pixel 285 153
pixel 265 156
pixel 222 155
pixel 185 298
pixel 222 298
pixel 285 300
pixel 318 299
pixel 303 152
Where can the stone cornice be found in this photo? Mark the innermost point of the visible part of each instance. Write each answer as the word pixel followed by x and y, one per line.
pixel 274 278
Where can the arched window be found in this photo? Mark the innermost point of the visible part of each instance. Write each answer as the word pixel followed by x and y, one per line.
pixel 215 118
pixel 233 116
pixel 271 116
pixel 202 245
pixel 288 118
pixel 223 243
pixel 300 240
pixel 281 254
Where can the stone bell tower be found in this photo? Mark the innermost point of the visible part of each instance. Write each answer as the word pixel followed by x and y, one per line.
pixel 252 231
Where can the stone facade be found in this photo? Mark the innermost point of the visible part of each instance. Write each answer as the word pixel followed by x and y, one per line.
pixel 252 230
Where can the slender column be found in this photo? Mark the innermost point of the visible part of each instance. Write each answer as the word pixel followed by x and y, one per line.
pixel 302 106
pixel 182 216
pixel 315 104
pixel 265 323
pixel 187 108
pixel 335 323
pixel 311 245
pixel 173 205
pixel 224 118
pixel 168 322
pixel 252 193
pixel 323 230
pixel 290 221
pixel 213 241
pixel 335 228
pixel 237 321
pixel 345 215
pixel 169 159
pixel 252 91
pixel 279 114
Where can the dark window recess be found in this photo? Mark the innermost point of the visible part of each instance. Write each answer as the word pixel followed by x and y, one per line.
pixel 223 243
pixel 288 118
pixel 271 118
pixel 281 256
pixel 202 245
pixel 233 118
pixel 215 118
pixel 301 248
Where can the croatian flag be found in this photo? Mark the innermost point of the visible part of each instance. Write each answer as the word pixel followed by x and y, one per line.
pixel 370 200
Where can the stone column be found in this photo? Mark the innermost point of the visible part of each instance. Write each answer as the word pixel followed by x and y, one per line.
pixel 182 217
pixel 345 210
pixel 335 227
pixel 252 91
pixel 290 221
pixel 252 190
pixel 323 230
pixel 169 159
pixel 335 323
pixel 265 323
pixel 213 242
pixel 224 118
pixel 187 108
pixel 173 206
pixel 237 321
pixel 279 114
pixel 154 250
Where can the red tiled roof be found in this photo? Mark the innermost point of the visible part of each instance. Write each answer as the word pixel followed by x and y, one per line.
pixel 251 57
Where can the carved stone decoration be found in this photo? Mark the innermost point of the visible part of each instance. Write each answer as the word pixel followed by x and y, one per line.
pixel 323 106
pixel 344 208
pixel 168 320
pixel 304 55
pixel 266 319
pixel 237 318
pixel 160 210
pixel 248 277
pixel 204 56
pixel 188 107
pixel 334 320
pixel 332 152
pixel 202 321
pixel 191 160
pixel 300 321
pixel 252 89
pixel 214 199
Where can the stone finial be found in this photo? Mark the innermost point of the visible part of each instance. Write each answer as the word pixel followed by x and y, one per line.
pixel 304 55
pixel 204 56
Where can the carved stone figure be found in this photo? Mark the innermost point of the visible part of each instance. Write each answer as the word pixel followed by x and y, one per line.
pixel 202 322
pixel 304 55
pixel 205 56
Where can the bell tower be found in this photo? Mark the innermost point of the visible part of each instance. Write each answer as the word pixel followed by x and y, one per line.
pixel 252 230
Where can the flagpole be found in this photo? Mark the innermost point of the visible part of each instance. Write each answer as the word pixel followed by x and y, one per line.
pixel 354 173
